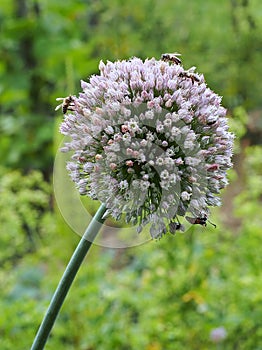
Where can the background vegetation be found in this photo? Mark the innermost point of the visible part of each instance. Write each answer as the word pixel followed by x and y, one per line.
pixel 165 295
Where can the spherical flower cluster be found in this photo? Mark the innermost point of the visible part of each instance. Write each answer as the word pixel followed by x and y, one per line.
pixel 217 335
pixel 150 140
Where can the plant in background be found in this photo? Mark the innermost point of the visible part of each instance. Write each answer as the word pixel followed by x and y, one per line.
pixel 150 140
pixel 23 220
pixel 217 335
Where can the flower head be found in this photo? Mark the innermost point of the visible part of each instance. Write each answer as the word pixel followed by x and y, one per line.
pixel 150 140
pixel 217 335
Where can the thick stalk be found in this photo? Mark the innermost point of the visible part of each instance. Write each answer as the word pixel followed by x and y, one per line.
pixel 67 279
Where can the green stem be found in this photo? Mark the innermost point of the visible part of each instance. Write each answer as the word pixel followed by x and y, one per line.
pixel 67 279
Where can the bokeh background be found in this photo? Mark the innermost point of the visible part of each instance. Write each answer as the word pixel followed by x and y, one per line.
pixel 169 294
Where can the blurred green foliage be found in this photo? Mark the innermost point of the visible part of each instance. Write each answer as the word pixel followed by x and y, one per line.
pixel 167 294
pixel 163 295
pixel 24 209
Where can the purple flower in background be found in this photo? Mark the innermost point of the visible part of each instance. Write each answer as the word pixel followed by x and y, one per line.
pixel 217 335
pixel 150 140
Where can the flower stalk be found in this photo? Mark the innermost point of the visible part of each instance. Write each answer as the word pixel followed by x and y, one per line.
pixel 67 279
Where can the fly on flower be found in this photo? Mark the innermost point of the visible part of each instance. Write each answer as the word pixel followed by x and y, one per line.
pixel 176 226
pixel 67 104
pixel 171 57
pixel 199 221
pixel 189 74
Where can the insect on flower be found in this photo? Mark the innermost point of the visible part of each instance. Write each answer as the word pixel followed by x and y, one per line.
pixel 66 105
pixel 171 57
pixel 211 123
pixel 200 221
pixel 175 226
pixel 189 74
